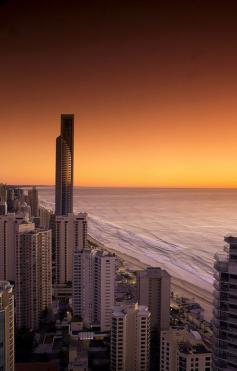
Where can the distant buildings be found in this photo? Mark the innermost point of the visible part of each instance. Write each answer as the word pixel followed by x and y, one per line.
pixel 7 351
pixel 33 201
pixel 64 166
pixel 15 198
pixel 93 287
pixel 70 235
pixel 33 275
pixel 3 192
pixel 130 338
pixel 225 308
pixel 45 217
pixel 3 208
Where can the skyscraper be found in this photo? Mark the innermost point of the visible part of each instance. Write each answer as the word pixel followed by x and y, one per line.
pixel 3 208
pixel 33 276
pixel 225 308
pixel 153 290
pixel 93 287
pixel 70 235
pixel 7 358
pixel 9 227
pixel 3 192
pixel 64 166
pixel 130 338
pixel 33 201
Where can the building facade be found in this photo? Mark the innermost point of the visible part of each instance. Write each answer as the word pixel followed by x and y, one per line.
pixel 9 226
pixel 45 217
pixel 33 200
pixel 130 338
pixel 153 291
pixel 93 287
pixel 70 235
pixel 225 308
pixel 183 350
pixel 64 166
pixel 7 351
pixel 33 276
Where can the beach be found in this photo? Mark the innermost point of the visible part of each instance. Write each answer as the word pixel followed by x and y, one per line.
pixel 178 286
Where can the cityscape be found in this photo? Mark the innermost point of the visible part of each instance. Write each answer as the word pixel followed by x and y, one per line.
pixel 118 185
pixel 69 303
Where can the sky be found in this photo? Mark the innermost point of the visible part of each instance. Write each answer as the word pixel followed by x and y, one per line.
pixel 152 84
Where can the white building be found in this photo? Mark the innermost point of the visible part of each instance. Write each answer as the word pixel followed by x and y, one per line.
pixel 70 236
pixel 184 350
pixel 7 351
pixel 9 225
pixel 33 276
pixel 93 287
pixel 130 338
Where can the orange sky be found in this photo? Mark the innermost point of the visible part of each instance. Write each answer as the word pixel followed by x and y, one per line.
pixel 153 92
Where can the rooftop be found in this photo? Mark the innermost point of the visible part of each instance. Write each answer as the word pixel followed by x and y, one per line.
pixel 188 348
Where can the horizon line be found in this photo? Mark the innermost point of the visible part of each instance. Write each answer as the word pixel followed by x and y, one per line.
pixel 123 187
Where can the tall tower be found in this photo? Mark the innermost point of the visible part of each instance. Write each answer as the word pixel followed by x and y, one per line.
pixel 153 286
pixel 64 166
pixel 153 291
pixel 7 361
pixel 9 227
pixel 225 308
pixel 70 236
pixel 33 201
pixel 33 276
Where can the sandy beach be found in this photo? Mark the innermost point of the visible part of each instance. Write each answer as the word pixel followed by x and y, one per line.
pixel 178 286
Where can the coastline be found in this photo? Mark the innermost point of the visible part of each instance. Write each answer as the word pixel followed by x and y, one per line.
pixel 178 286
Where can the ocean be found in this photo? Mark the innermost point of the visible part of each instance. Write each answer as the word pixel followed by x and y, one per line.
pixel 177 229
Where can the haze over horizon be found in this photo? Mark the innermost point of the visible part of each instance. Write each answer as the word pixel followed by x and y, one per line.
pixel 153 88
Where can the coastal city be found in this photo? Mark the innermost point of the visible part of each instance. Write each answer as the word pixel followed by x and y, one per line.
pixel 69 302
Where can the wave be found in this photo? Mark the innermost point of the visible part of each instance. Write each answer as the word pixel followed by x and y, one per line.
pixel 179 261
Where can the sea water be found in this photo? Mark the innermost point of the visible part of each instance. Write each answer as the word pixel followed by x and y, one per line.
pixel 177 229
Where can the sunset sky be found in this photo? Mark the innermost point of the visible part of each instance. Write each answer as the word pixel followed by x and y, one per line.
pixel 153 88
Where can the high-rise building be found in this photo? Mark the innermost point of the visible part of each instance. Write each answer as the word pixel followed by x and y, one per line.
pixel 9 226
pixel 15 198
pixel 45 217
pixel 3 192
pixel 130 338
pixel 64 166
pixel 93 287
pixel 184 350
pixel 33 276
pixel 153 291
pixel 7 351
pixel 70 235
pixel 3 208
pixel 225 308
pixel 33 201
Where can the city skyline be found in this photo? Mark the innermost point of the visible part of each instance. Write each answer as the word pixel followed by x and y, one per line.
pixel 153 90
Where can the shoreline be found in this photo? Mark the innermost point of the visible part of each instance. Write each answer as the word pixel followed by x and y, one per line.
pixel 179 286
